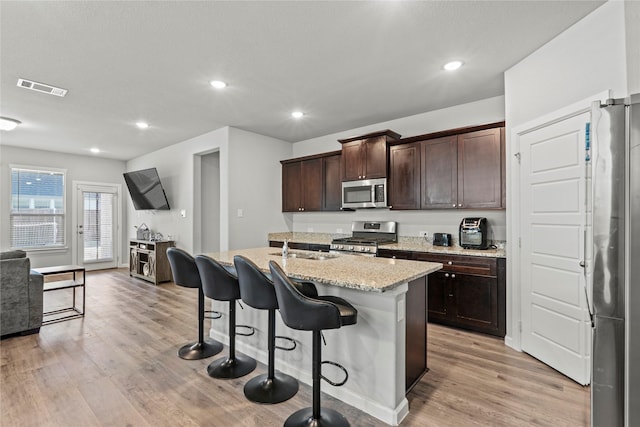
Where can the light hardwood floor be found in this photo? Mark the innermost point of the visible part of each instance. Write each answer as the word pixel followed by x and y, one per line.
pixel 118 367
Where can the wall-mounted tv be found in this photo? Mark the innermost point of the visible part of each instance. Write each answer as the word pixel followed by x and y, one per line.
pixel 146 190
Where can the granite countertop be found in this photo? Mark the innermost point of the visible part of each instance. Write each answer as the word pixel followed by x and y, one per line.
pixel 415 244
pixel 349 271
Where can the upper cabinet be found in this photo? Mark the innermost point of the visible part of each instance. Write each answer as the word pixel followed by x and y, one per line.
pixel 462 170
pixel 365 157
pixel 311 183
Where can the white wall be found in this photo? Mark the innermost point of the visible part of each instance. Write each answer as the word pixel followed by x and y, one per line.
pixel 249 180
pixel 409 222
pixel 586 59
pixel 79 168
pixel 255 187
pixel 632 27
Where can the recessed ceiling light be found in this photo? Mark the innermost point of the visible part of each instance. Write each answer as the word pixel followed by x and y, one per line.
pixel 453 65
pixel 142 125
pixel 8 124
pixel 218 84
pixel 297 114
pixel 95 150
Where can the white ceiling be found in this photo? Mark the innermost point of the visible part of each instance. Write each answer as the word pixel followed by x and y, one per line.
pixel 345 64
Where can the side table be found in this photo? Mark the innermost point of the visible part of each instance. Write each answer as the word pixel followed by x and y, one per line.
pixel 74 310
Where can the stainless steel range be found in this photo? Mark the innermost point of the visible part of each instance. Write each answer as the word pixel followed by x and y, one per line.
pixel 365 238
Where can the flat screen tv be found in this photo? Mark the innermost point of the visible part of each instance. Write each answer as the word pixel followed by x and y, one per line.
pixel 146 190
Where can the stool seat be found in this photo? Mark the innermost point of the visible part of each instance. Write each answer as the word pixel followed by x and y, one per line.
pixel 257 291
pixel 221 285
pixel 348 313
pixel 314 314
pixel 185 273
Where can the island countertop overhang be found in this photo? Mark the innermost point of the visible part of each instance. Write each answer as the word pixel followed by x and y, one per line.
pixel 368 274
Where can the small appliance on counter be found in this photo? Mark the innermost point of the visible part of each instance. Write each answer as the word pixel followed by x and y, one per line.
pixel 442 239
pixel 473 233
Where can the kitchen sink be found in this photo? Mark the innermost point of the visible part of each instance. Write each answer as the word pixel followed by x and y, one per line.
pixel 318 256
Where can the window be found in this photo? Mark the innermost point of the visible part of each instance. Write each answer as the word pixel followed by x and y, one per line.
pixel 37 208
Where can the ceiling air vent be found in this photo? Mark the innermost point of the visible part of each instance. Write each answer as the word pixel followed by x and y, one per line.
pixel 41 87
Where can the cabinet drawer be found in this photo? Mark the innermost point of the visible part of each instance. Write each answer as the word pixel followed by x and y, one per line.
pixel 481 266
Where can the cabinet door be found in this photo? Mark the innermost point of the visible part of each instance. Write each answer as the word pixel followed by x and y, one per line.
pixel 311 184
pixel 476 302
pixel 480 169
pixel 438 295
pixel 404 176
pixel 332 198
pixel 375 157
pixel 291 187
pixel 352 161
pixel 439 163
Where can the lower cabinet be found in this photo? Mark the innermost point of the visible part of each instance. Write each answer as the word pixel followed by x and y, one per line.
pixel 469 292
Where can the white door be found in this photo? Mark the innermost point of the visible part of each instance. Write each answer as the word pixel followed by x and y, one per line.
pixel 556 328
pixel 96 225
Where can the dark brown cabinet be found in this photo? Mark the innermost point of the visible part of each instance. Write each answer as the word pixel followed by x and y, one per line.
pixel 469 292
pixel 311 183
pixel 404 176
pixel 365 157
pixel 439 177
pixel 463 170
pixel 332 183
pixel 480 169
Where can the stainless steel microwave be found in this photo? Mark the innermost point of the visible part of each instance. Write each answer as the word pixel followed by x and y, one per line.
pixel 367 193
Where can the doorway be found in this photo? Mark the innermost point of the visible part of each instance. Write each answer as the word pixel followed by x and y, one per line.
pixel 96 224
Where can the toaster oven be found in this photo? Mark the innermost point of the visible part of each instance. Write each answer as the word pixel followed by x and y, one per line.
pixel 473 233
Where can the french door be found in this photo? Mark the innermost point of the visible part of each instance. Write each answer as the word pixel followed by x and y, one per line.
pixel 96 225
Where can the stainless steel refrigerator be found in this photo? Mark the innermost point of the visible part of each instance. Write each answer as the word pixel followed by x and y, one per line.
pixel 614 268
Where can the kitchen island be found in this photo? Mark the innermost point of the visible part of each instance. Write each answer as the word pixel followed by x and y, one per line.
pixel 390 296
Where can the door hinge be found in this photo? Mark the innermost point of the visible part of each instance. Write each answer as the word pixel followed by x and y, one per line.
pixel 517 156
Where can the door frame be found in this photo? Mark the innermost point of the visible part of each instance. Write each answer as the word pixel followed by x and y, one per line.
pixel 75 186
pixel 514 256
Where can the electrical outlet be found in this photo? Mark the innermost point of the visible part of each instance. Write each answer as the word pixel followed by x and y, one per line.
pixel 424 234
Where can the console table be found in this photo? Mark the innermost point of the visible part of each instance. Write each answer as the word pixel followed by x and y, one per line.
pixel 56 285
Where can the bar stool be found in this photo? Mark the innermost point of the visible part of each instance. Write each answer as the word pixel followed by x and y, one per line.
pixel 219 284
pixel 185 274
pixel 257 291
pixel 312 314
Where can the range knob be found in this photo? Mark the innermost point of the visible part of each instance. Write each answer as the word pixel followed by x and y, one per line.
pixel 367 249
pixel 350 248
pixel 361 248
pixel 341 247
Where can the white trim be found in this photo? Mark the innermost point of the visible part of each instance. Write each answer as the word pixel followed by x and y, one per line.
pixel 514 315
pixel 62 171
pixel 105 187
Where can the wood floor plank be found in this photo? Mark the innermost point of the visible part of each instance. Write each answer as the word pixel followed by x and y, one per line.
pixel 119 366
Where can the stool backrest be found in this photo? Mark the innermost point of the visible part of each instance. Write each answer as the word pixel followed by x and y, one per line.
pixel 217 282
pixel 301 312
pixel 183 268
pixel 256 289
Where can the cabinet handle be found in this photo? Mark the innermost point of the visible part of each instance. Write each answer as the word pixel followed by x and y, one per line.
pixel 451 295
pixel 301 209
pixel 459 205
pixel 446 274
pixel 454 205
pixel 453 276
pixel 450 262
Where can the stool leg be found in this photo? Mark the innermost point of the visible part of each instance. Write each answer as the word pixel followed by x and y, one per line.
pixel 202 348
pixel 235 365
pixel 272 387
pixel 316 416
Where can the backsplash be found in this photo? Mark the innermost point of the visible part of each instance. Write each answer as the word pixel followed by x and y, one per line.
pixel 410 223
